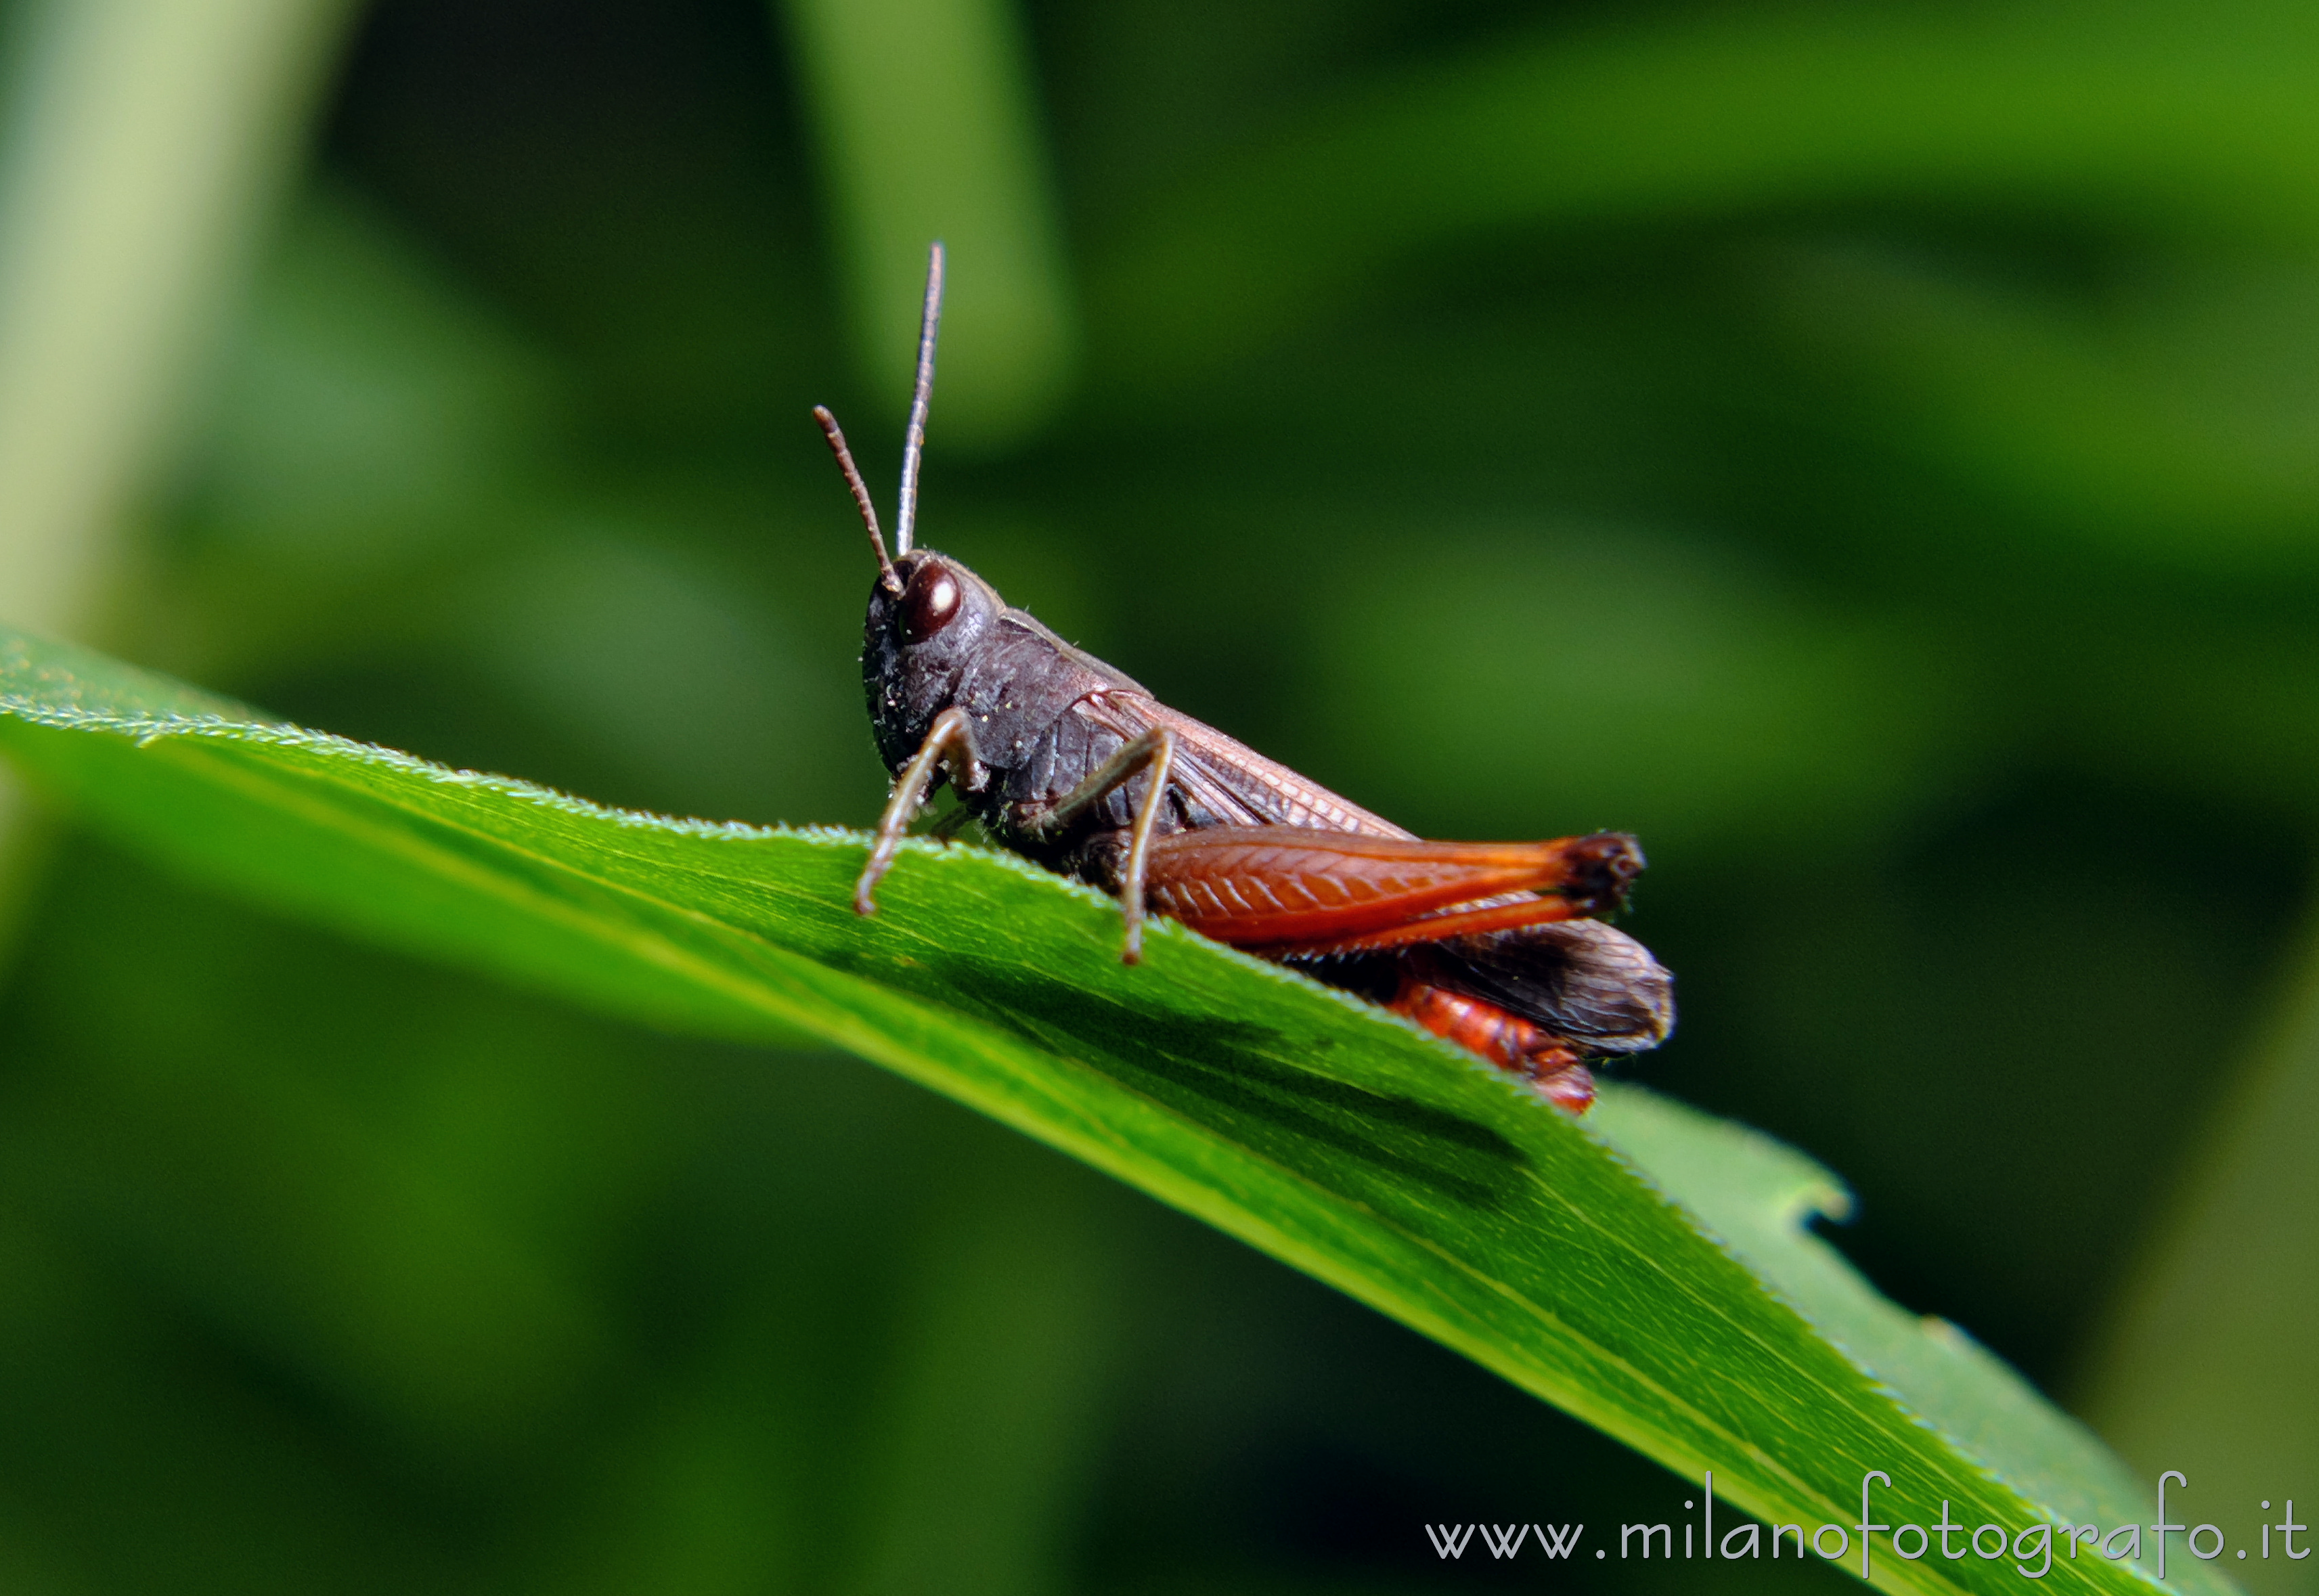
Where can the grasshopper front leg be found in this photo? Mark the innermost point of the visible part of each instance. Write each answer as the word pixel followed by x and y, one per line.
pixel 949 745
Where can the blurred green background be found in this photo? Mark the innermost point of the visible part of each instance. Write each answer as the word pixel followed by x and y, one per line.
pixel 1871 452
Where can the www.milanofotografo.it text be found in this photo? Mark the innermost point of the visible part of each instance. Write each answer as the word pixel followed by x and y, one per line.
pixel 2031 1548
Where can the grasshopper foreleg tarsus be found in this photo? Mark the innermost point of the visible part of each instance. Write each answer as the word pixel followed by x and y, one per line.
pixel 948 747
pixel 1153 751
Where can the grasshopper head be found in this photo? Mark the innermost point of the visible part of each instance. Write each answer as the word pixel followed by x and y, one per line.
pixel 917 640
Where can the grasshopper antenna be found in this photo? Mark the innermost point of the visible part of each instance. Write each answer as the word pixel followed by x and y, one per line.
pixel 886 578
pixel 913 440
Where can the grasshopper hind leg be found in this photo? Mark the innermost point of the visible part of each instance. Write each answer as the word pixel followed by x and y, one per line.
pixel 1548 1063
pixel 1551 1065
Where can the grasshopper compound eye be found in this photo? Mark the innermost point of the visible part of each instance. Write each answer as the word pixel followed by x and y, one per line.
pixel 929 603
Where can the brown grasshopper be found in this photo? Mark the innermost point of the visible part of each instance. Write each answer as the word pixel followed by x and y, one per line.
pixel 1071 763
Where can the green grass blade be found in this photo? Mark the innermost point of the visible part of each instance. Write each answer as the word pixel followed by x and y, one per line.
pixel 1309 1124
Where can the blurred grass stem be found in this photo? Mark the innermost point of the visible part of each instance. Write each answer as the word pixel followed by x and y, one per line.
pixel 2207 1369
pixel 928 128
pixel 146 139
